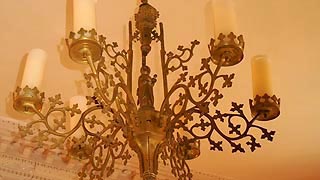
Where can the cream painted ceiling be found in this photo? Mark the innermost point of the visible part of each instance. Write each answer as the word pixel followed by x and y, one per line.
pixel 285 30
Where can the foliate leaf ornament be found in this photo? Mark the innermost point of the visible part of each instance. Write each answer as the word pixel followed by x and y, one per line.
pixel 115 122
pixel 216 146
pixel 56 100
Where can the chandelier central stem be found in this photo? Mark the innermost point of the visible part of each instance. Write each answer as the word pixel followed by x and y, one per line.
pixel 144 61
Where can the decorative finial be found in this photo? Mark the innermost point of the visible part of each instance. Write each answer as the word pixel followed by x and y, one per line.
pixel 144 1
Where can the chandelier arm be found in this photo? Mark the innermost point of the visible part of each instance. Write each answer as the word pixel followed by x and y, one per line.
pixel 27 129
pixel 82 174
pixel 188 93
pixel 116 55
pixel 96 78
pixel 130 60
pixel 215 128
pixel 249 125
pixel 106 161
pixel 128 120
pixel 214 76
pixel 171 57
pixel 104 127
pixel 43 135
pixel 179 166
pixel 50 131
pixel 100 88
pixel 181 124
pixel 163 62
pixel 82 120
pixel 176 123
pixel 263 130
pixel 93 166
pixel 44 120
pixel 123 147
pixel 245 132
pixel 38 112
pixel 172 90
pixel 129 96
pixel 95 161
pixel 255 117
pixel 111 144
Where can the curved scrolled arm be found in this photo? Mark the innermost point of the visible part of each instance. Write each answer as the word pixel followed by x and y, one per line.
pixel 208 126
pixel 54 128
pixel 103 155
pixel 179 166
pixel 115 55
pixel 108 82
pixel 107 147
pixel 180 57
pixel 185 56
pixel 207 89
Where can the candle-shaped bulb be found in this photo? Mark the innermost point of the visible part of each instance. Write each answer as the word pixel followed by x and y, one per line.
pixel 34 68
pixel 84 14
pixel 261 76
pixel 224 17
pixel 82 105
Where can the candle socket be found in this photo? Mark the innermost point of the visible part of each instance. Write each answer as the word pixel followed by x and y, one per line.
pixel 228 49
pixel 265 107
pixel 189 149
pixel 28 100
pixel 83 44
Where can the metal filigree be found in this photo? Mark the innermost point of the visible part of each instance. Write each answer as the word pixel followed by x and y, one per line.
pixel 180 58
pixel 189 111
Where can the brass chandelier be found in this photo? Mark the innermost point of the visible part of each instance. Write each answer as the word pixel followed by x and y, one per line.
pixel 172 132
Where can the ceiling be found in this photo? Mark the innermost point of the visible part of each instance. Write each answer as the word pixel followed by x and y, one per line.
pixel 285 30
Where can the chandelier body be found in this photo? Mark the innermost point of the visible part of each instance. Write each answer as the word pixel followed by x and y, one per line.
pixel 150 133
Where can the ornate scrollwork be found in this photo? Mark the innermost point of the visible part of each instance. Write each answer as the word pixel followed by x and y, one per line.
pixel 55 133
pixel 200 107
pixel 180 58
pixel 209 125
pixel 179 166
pixel 188 105
pixel 116 56
pixel 101 147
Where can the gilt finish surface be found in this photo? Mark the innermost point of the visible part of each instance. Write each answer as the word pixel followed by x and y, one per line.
pixel 172 132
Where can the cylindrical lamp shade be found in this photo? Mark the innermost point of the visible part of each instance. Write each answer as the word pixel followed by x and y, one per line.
pixel 84 14
pixel 261 76
pixel 224 17
pixel 82 105
pixel 34 68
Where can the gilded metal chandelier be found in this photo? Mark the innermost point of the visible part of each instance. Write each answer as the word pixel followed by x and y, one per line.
pixel 173 132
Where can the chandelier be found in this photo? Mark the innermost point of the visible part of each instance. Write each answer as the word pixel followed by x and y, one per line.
pixel 170 133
